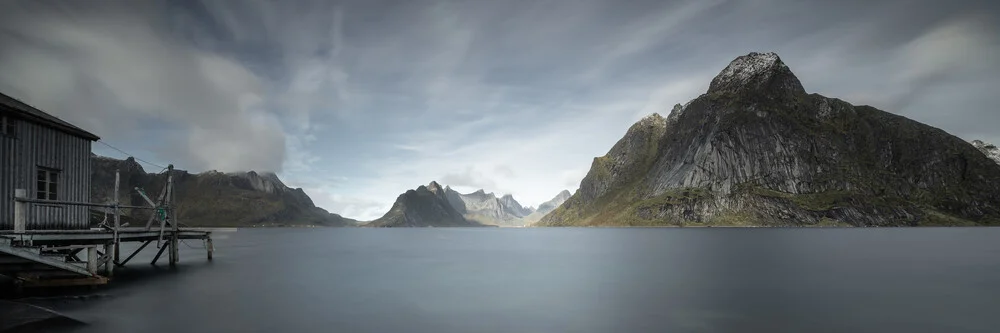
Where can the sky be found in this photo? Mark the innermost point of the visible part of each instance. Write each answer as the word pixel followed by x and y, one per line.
pixel 358 101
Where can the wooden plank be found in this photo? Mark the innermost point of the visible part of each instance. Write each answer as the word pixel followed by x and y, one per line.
pixel 20 211
pixel 90 281
pixel 43 260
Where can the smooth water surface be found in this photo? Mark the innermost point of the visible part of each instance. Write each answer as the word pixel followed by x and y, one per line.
pixel 562 280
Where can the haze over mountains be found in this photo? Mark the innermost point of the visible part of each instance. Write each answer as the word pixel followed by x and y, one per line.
pixel 431 205
pixel 757 150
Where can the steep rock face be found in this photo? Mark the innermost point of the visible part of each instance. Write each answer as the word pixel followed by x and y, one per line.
pixel 212 198
pixel 757 150
pixel 427 206
pixel 486 208
pixel 512 207
pixel 547 207
pixel 989 149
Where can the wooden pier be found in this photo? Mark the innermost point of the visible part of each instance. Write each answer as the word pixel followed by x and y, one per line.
pixel 40 258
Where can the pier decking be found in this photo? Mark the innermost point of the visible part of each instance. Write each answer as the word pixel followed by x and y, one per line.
pixel 38 258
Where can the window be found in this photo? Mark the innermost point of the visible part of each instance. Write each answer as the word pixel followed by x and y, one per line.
pixel 48 183
pixel 7 126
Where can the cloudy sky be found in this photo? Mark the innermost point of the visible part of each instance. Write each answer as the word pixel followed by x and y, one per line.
pixel 358 101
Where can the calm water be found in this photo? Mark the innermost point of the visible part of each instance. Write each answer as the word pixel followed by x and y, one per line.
pixel 562 280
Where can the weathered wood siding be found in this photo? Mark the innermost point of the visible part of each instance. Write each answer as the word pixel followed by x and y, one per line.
pixel 7 187
pixel 38 146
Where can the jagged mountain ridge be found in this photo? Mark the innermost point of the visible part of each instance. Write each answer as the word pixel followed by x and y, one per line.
pixel 756 149
pixel 989 149
pixel 213 198
pixel 426 206
pixel 486 208
pixel 433 206
pixel 547 207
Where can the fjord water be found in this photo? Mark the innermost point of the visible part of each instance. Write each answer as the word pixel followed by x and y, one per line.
pixel 562 280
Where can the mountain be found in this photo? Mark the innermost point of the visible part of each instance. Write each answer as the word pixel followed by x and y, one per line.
pixel 212 198
pixel 547 207
pixel 989 149
pixel 486 208
pixel 757 150
pixel 427 206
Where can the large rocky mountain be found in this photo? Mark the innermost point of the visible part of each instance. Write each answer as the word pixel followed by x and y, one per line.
pixel 486 208
pixel 756 149
pixel 212 198
pixel 427 206
pixel 547 207
pixel 989 149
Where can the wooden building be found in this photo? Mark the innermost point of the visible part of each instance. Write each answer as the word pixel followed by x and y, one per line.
pixel 48 157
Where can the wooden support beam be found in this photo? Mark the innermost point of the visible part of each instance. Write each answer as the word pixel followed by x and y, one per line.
pixel 87 281
pixel 122 263
pixel 115 241
pixel 209 247
pixel 158 254
pixel 92 260
pixel 76 203
pixel 20 211
pixel 35 257
pixel 109 268
pixel 174 253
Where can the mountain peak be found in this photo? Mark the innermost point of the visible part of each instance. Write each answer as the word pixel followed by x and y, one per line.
pixel 757 73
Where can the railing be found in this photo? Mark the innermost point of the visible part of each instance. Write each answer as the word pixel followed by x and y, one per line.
pixel 162 207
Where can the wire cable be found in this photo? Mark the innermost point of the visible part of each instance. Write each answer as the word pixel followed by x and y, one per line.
pixel 130 155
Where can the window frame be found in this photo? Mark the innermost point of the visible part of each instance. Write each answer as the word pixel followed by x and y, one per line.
pixel 8 126
pixel 47 187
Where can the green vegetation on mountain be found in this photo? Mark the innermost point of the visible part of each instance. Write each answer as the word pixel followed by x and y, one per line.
pixel 211 199
pixel 757 150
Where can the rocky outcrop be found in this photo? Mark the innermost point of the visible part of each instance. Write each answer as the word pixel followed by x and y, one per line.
pixel 426 206
pixel 756 149
pixel 547 207
pixel 212 198
pixel 486 208
pixel 988 149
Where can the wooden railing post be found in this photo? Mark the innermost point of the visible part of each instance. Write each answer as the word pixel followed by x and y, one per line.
pixel 117 203
pixel 20 211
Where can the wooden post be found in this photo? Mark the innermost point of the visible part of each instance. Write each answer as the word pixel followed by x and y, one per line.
pixel 109 267
pixel 170 199
pixel 20 211
pixel 116 246
pixel 209 247
pixel 92 259
pixel 174 253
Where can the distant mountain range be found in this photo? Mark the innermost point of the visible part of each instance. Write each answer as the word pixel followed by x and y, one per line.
pixel 757 150
pixel 433 206
pixel 547 207
pixel 212 198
